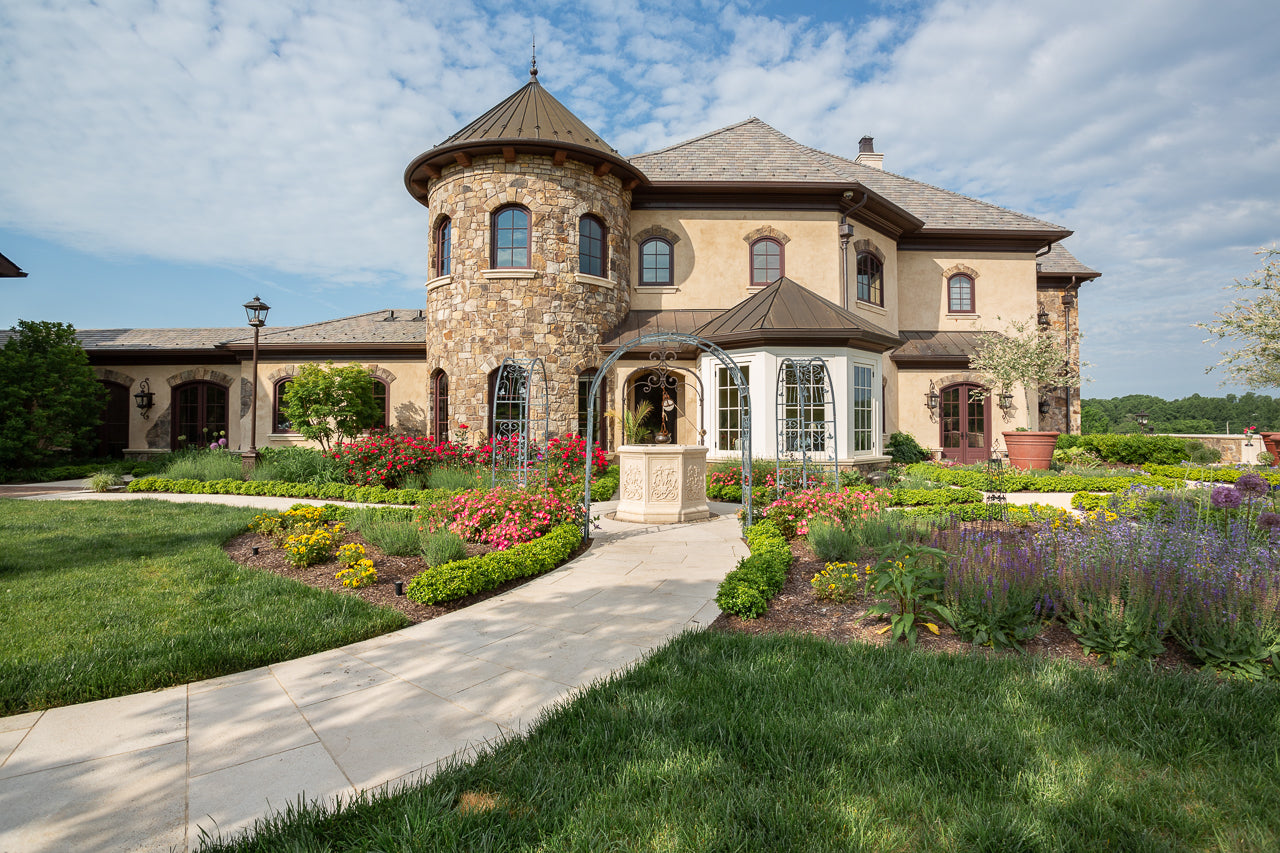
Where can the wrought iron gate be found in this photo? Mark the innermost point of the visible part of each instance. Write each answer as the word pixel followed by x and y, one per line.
pixel 520 387
pixel 806 451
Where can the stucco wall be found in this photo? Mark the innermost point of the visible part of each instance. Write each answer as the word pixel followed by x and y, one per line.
pixel 1004 289
pixel 712 254
pixel 153 432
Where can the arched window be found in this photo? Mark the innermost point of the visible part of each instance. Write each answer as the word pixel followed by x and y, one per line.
pixel 381 398
pixel 585 378
pixel 960 294
pixel 440 404
pixel 655 263
pixel 591 247
pixel 510 248
pixel 766 261
pixel 870 279
pixel 443 247
pixel 200 414
pixel 279 421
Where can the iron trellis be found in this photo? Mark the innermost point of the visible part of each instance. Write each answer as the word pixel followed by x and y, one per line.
pixel 662 377
pixel 806 450
pixel 678 338
pixel 520 386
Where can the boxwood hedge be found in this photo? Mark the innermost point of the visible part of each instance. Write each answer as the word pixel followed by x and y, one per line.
pixel 460 578
pixel 746 590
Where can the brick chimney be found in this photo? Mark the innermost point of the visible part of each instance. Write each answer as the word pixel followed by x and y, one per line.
pixel 867 155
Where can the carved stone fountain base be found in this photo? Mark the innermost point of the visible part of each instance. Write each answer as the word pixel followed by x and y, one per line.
pixel 663 484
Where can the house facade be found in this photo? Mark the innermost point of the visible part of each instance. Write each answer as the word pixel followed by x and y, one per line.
pixel 545 243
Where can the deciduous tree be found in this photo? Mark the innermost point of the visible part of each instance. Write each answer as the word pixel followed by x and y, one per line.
pixel 1254 324
pixel 328 404
pixel 50 401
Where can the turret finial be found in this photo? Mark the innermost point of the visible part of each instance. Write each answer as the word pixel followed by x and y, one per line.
pixel 533 64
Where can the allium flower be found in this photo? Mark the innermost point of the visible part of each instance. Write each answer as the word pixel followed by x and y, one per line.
pixel 1252 484
pixel 1226 497
pixel 1269 520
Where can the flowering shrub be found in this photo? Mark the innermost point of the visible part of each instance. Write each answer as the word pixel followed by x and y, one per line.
pixel 998 589
pixel 793 512
pixel 842 582
pixel 310 545
pixel 499 517
pixel 351 553
pixel 361 573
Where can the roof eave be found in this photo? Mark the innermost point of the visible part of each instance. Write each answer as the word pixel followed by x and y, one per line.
pixel 851 338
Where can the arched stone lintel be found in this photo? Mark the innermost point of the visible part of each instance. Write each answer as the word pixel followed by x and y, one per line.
pixel 657 231
pixel 865 245
pixel 960 269
pixel 766 231
pixel 200 374
pixel 109 375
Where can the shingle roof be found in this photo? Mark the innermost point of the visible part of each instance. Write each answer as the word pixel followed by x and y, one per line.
pixel 398 325
pixel 153 339
pixel 1058 261
pixel 752 151
pixel 8 269
pixel 787 310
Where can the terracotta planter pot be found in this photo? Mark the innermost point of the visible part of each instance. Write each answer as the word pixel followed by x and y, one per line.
pixel 1271 441
pixel 1030 449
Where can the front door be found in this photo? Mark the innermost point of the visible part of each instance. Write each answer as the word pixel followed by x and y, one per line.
pixel 200 414
pixel 965 425
pixel 113 432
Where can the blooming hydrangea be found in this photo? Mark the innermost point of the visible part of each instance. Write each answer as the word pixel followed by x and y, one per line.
pixel 1226 497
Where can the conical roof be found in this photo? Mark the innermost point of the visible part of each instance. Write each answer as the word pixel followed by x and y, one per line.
pixel 786 312
pixel 529 120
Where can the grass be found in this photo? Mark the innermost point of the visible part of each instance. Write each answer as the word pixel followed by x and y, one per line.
pixel 204 465
pixel 101 599
pixel 733 742
pixel 393 531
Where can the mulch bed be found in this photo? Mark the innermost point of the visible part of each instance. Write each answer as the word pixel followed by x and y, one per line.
pixel 796 610
pixel 383 591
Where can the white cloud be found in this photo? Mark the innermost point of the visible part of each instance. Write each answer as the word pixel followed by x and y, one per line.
pixel 274 134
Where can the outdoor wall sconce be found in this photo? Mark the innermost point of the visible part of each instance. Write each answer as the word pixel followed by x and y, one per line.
pixel 1043 318
pixel 931 399
pixel 1006 400
pixel 144 398
pixel 1045 406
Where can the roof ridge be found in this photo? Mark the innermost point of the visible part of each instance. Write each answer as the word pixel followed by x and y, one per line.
pixel 858 165
pixel 706 135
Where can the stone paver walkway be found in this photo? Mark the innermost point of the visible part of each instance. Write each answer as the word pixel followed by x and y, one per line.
pixel 154 770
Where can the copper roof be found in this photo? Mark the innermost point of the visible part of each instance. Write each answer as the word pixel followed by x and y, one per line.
pixel 1058 261
pixel 752 151
pixel 786 312
pixel 637 323
pixel 8 269
pixel 935 347
pixel 530 119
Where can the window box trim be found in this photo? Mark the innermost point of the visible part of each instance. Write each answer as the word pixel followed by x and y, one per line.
pixel 583 278
pixel 508 272
pixel 654 288
pixel 862 305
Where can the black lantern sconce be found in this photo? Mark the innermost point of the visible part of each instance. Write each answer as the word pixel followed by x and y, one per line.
pixel 144 398
pixel 1006 400
pixel 931 398
pixel 1042 318
pixel 1045 405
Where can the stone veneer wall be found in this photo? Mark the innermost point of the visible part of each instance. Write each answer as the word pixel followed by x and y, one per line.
pixel 556 314
pixel 1059 316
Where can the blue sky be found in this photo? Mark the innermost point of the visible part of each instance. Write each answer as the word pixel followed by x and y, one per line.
pixel 163 162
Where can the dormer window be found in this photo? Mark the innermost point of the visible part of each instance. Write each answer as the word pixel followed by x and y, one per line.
pixel 591 247
pixel 510 249
pixel 766 261
pixel 443 245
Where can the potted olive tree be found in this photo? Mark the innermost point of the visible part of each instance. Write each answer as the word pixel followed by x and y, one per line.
pixel 1034 358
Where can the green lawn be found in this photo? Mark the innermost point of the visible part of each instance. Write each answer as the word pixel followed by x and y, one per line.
pixel 728 742
pixel 101 599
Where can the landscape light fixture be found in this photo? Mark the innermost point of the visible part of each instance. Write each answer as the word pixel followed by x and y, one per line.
pixel 256 310
pixel 144 398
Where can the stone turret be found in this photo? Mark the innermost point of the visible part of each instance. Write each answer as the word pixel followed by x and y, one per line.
pixel 531 151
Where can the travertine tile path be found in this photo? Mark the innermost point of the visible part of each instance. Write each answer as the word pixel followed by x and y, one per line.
pixel 154 770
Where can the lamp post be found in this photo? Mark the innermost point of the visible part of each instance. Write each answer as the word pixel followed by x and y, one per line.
pixel 1141 418
pixel 257 313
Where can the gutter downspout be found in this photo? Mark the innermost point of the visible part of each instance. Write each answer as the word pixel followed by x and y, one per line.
pixel 846 231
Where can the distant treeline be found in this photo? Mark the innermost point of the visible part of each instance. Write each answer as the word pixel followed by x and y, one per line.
pixel 1194 414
